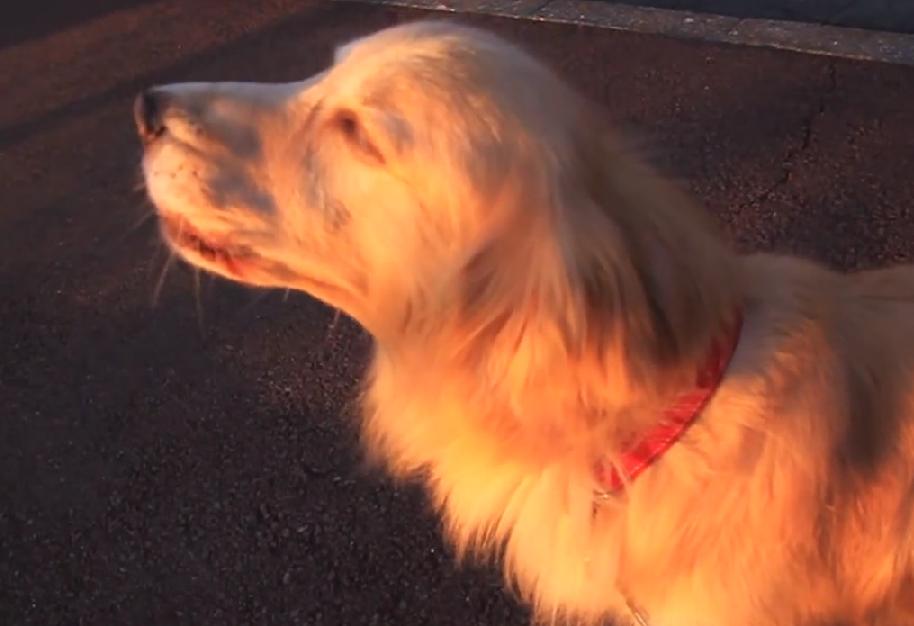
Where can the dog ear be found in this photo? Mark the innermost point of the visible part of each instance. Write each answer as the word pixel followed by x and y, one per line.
pixel 601 260
pixel 636 235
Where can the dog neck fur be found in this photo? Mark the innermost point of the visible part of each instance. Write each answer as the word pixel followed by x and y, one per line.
pixel 560 337
pixel 600 288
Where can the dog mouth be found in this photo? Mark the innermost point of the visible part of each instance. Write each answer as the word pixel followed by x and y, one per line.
pixel 212 250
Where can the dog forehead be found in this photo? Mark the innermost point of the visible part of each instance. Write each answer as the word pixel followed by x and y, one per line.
pixel 428 40
pixel 426 57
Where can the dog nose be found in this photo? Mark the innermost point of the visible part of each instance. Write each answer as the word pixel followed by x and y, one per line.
pixel 148 114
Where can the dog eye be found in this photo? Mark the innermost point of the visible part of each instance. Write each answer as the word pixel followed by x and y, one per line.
pixel 349 125
pixel 352 130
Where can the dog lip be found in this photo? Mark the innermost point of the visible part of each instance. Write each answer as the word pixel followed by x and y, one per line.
pixel 238 261
pixel 181 233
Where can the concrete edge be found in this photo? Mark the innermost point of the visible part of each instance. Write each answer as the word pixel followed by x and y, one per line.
pixel 851 43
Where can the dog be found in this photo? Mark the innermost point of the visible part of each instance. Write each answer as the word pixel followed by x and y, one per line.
pixel 639 423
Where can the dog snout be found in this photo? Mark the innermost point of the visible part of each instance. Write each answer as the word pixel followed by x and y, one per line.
pixel 149 114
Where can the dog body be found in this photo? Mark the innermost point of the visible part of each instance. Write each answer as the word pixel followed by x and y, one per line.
pixel 538 298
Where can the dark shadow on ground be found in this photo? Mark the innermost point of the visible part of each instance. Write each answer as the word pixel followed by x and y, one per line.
pixel 310 16
pixel 23 21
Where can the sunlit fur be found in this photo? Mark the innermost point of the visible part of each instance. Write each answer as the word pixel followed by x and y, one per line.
pixel 537 295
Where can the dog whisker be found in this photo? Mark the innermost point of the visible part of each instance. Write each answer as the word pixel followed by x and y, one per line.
pixel 199 301
pixel 329 335
pixel 157 291
pixel 146 215
pixel 331 327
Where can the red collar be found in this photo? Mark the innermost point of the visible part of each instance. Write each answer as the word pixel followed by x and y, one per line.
pixel 675 419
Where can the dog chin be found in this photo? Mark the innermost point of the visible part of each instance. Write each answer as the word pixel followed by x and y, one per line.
pixel 215 253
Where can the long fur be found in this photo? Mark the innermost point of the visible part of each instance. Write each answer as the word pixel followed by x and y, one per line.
pixel 537 295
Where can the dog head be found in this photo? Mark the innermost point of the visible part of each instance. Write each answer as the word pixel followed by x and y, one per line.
pixel 437 178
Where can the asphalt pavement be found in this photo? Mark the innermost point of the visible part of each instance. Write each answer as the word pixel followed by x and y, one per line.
pixel 888 15
pixel 194 461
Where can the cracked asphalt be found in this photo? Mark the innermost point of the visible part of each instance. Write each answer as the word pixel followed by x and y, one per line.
pixel 194 461
pixel 795 152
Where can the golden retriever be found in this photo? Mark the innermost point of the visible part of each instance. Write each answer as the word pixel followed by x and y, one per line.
pixel 641 424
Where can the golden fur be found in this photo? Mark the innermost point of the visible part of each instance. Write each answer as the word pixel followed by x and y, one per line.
pixel 537 295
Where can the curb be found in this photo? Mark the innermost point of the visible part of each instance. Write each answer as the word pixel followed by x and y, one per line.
pixel 851 43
